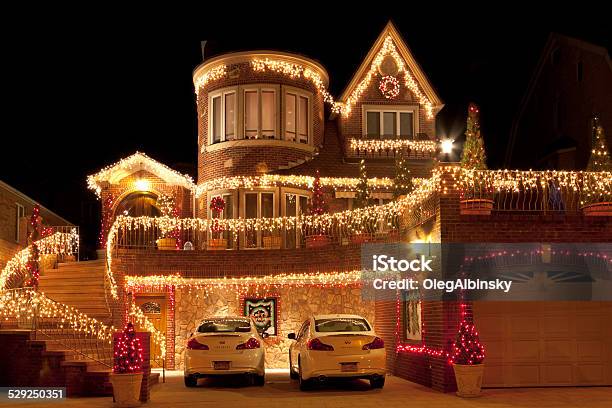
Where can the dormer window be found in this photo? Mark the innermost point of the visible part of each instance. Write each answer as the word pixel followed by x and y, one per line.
pixel 390 122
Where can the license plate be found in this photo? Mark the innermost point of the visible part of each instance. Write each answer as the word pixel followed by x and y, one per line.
pixel 221 365
pixel 348 367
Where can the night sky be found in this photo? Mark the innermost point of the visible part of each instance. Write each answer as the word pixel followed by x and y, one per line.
pixel 82 99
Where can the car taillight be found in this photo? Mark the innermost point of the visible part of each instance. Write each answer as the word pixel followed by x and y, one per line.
pixel 193 344
pixel 377 343
pixel 252 343
pixel 316 344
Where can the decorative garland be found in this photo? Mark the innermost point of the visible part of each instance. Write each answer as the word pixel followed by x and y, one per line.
pixel 389 86
pixel 364 145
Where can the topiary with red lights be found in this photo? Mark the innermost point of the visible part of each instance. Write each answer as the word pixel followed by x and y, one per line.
pixel 467 349
pixel 128 352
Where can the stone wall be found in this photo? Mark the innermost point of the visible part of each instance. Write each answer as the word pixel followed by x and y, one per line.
pixel 294 306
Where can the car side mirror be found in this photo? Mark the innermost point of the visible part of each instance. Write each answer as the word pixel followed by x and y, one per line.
pixel 291 336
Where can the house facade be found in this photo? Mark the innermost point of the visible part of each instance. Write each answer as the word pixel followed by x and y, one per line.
pixel 242 239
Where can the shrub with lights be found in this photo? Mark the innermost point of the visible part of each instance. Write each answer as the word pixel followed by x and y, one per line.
pixel 128 352
pixel 467 349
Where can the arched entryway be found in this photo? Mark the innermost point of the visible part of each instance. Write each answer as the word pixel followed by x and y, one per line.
pixel 138 204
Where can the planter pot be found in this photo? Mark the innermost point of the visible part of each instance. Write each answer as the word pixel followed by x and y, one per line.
pixel 603 209
pixel 476 206
pixel 166 244
pixel 469 379
pixel 272 242
pixel 317 241
pixel 217 244
pixel 126 389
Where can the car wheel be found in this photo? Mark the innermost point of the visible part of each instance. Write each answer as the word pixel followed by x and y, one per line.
pixel 191 381
pixel 292 374
pixel 377 382
pixel 305 385
pixel 259 380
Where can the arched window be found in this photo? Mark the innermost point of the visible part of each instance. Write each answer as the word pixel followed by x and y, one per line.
pixel 139 204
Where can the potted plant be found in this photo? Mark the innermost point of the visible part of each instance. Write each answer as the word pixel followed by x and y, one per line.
pixel 169 238
pixel 318 207
pixel 467 358
pixel 126 377
pixel 474 196
pixel 217 242
pixel 596 196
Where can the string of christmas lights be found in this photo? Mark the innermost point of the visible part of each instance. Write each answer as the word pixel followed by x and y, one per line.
pixel 28 304
pixel 138 161
pixel 127 352
pixel 421 146
pixel 61 243
pixel 275 180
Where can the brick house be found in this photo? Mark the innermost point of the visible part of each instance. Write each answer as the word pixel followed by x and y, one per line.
pixel 178 250
pixel 15 212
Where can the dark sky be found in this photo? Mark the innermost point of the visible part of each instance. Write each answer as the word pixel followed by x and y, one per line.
pixel 81 99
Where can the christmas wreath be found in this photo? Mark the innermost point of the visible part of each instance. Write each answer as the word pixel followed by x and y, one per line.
pixel 389 87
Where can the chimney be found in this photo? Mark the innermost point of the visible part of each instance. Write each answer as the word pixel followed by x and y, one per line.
pixel 203 46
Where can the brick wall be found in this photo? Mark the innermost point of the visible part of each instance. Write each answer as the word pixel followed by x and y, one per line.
pixel 243 161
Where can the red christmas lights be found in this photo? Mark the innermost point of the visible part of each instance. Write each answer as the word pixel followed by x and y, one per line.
pixel 467 349
pixel 107 219
pixel 318 206
pixel 128 352
pixel 33 264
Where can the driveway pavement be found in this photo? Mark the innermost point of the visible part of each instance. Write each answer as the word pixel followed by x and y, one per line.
pixel 279 391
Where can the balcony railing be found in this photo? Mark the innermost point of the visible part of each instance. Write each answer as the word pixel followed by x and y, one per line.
pixel 533 191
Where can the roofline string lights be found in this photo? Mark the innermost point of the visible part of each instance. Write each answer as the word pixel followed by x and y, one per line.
pixel 296 71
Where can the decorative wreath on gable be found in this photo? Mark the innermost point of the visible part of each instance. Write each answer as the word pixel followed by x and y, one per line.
pixel 389 86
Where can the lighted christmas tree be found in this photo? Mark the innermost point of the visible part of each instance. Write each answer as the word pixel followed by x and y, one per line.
pixel 473 156
pixel 318 205
pixel 363 190
pixel 600 155
pixel 403 179
pixel 128 352
pixel 467 349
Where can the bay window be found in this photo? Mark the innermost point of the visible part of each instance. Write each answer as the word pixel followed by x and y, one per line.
pixel 390 122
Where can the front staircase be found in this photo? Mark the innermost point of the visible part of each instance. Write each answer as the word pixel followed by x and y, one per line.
pixel 78 284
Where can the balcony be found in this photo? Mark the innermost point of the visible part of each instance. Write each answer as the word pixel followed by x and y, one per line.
pixel 380 148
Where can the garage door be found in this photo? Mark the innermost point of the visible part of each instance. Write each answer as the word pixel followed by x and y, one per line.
pixel 545 343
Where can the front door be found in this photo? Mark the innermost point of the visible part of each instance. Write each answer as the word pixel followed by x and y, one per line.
pixel 154 308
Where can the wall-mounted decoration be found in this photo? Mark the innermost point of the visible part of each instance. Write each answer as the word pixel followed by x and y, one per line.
pixel 389 86
pixel 264 312
pixel 412 316
pixel 151 308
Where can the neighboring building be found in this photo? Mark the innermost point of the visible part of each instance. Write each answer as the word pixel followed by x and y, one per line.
pixel 15 211
pixel 552 130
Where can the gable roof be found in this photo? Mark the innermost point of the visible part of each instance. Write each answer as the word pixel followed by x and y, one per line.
pixel 399 47
pixel 137 162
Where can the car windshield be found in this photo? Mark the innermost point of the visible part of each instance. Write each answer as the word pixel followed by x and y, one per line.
pixel 341 324
pixel 225 326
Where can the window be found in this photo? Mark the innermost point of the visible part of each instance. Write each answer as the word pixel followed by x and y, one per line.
pixel 260 113
pixel 295 205
pixel 390 123
pixel 223 116
pixel 257 205
pixel 19 214
pixel 341 324
pixel 297 117
pixel 226 214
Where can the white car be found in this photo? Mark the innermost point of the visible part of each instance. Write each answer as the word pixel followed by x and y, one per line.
pixel 339 345
pixel 225 346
